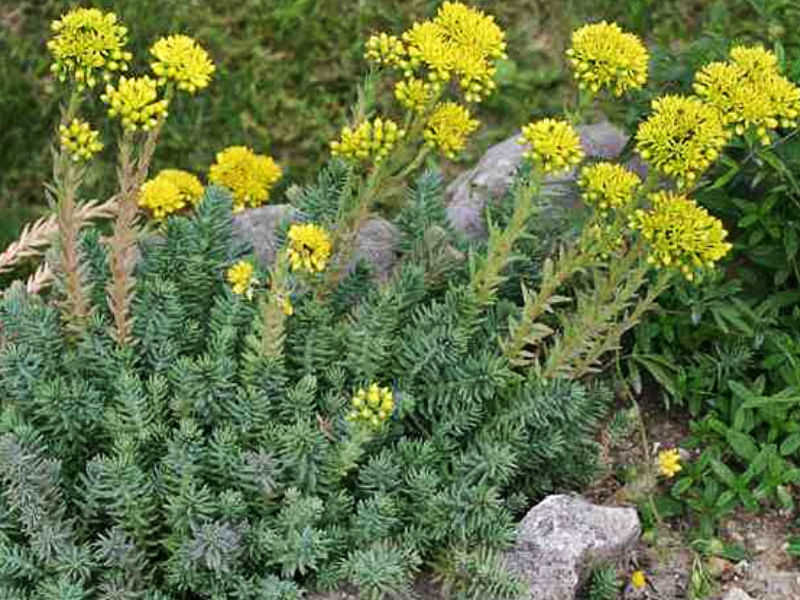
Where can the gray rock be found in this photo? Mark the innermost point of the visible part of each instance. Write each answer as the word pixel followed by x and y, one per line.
pixel 466 198
pixel 469 193
pixel 737 594
pixel 258 226
pixel 375 241
pixel 563 537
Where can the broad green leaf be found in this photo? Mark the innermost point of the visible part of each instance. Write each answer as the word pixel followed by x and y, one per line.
pixel 742 444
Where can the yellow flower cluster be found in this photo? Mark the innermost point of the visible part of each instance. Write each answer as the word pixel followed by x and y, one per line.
pixel 604 56
pixel 750 91
pixel 638 580
pixel 459 42
pixel 669 462
pixel 682 137
pixel 170 191
pixel 448 128
pixel 180 58
pixel 555 145
pixel 608 185
pixel 240 276
pixel 249 176
pixel 680 233
pixel 87 41
pixel 309 248
pixel 385 49
pixel 372 406
pixel 135 101
pixel 371 140
pixel 416 94
pixel 79 140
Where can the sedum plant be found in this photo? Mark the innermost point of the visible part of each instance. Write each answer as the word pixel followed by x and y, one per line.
pixel 179 421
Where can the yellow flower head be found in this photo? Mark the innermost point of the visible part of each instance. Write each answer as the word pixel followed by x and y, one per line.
pixel 249 176
pixel 459 42
pixel 638 580
pixel 555 145
pixel 680 234
pixel 180 58
pixel 416 94
pixel 682 137
pixel 750 92
pixel 448 128
pixel 135 101
pixel 385 49
pixel 170 191
pixel 189 185
pixel 608 185
pixel 309 248
pixel 371 140
pixel 161 197
pixel 604 56
pixel 87 41
pixel 669 462
pixel 240 276
pixel 79 140
pixel 371 406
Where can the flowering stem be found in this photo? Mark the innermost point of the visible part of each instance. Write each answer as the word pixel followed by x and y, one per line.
pixel 67 177
pixel 526 331
pixel 486 279
pixel 273 317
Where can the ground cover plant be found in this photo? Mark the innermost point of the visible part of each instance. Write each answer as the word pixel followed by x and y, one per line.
pixel 179 421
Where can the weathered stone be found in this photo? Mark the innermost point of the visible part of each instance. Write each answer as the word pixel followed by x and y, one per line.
pixel 375 242
pixel 737 594
pixel 469 193
pixel 563 537
pixel 258 226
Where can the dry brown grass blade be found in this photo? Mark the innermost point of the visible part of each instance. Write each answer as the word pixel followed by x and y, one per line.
pixel 37 236
pixel 41 279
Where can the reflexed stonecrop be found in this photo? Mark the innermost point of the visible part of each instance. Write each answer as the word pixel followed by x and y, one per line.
pixel 448 128
pixel 180 59
pixel 87 42
pixel 460 43
pixel 606 185
pixel 669 462
pixel 416 94
pixel 170 191
pixel 240 276
pixel 682 137
pixel 136 103
pixel 249 176
pixel 603 56
pixel 372 406
pixel 750 92
pixel 680 234
pixel 385 50
pixel 369 141
pixel 308 247
pixel 555 146
pixel 79 140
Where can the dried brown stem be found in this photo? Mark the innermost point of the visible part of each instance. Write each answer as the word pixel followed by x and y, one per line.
pixel 122 243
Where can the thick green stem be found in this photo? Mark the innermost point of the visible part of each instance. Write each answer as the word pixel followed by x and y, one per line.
pixel 521 333
pixel 501 243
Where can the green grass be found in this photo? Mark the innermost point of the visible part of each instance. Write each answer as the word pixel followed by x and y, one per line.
pixel 288 69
